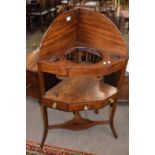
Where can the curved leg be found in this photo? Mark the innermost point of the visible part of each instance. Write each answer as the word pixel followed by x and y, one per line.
pixel 113 130
pixel 112 119
pixel 44 138
pixel 45 119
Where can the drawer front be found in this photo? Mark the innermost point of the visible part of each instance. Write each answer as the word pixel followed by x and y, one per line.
pixel 54 104
pixel 77 106
pixel 87 106
pixel 72 107
pixel 32 84
pixel 91 105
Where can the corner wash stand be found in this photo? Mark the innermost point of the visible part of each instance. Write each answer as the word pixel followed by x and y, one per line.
pixel 87 51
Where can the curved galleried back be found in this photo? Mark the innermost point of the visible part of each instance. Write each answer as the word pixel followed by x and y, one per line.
pixel 82 27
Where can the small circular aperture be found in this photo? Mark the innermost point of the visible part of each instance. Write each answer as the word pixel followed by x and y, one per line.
pixel 83 55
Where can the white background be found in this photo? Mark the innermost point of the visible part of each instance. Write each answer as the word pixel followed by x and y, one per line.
pixel 13 77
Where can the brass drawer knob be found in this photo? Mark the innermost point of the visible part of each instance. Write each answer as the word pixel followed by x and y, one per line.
pixel 85 107
pixel 111 100
pixel 54 105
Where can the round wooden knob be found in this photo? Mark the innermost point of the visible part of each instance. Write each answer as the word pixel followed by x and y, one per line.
pixel 111 100
pixel 54 105
pixel 85 107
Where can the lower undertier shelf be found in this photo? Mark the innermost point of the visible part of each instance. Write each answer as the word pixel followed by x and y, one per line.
pixel 78 123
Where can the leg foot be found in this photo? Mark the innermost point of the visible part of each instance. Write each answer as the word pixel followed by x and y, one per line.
pixel 113 129
pixel 45 120
pixel 44 138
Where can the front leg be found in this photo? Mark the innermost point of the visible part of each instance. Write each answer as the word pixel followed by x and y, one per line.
pixel 45 121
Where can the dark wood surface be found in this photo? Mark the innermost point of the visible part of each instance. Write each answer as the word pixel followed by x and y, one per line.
pixel 32 84
pixel 124 90
pixel 32 81
pixel 32 78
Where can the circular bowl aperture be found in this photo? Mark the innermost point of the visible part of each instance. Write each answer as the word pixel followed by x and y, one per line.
pixel 83 55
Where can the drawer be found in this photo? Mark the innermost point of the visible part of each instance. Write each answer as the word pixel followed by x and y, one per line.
pixel 77 106
pixel 54 104
pixel 92 105
pixel 72 107
pixel 86 106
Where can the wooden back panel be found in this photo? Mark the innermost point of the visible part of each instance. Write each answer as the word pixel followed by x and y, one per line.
pixel 98 31
pixel 61 34
pixel 87 27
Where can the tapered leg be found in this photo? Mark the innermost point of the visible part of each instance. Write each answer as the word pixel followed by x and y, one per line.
pixel 112 119
pixel 45 119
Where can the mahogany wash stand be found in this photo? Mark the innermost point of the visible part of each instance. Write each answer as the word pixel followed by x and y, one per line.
pixel 88 49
